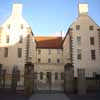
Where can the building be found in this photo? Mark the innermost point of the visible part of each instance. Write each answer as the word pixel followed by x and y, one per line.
pixel 15 34
pixel 49 63
pixel 80 47
pixel 81 43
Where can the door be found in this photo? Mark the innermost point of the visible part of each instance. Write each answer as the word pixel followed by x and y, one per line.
pixel 44 81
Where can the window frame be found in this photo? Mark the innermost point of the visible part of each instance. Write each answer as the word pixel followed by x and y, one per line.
pixel 79 54
pixel 39 60
pixel 49 60
pixel 93 54
pixel 77 27
pixel 56 75
pixel 41 75
pixel 5 52
pixel 7 38
pixel 92 41
pixel 19 52
pixel 91 27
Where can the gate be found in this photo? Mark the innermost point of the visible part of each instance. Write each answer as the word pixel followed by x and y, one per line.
pixel 49 82
pixel 45 81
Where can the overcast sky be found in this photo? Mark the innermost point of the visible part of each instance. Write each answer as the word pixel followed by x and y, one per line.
pixel 47 17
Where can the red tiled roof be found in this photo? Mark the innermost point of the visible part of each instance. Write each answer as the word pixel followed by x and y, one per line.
pixel 48 42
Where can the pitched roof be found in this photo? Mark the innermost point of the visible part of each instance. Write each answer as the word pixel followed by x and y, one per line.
pixel 48 42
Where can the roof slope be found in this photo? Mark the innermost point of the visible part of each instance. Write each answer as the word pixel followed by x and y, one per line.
pixel 48 42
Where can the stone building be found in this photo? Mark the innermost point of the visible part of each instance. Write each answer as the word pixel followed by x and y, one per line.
pixel 80 47
pixel 49 64
pixel 81 43
pixel 15 33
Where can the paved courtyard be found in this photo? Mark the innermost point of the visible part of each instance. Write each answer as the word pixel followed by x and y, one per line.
pixel 9 95
pixel 49 97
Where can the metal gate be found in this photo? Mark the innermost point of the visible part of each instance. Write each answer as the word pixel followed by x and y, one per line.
pixel 45 81
pixel 49 81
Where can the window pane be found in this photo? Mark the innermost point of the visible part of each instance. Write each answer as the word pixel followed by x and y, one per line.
pixel 56 75
pixel 39 60
pixel 9 26
pixel 79 57
pixel 20 39
pixel 49 76
pixel 39 51
pixel 58 60
pixel 78 40
pixel 19 52
pixel 77 27
pixel 21 26
pixel 62 75
pixel 91 27
pixel 7 39
pixel 49 60
pixel 49 51
pixel 5 52
pixel 41 75
pixel 92 40
pixel 58 51
pixel 93 56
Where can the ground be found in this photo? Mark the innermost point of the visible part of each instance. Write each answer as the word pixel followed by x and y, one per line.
pixel 49 97
pixel 9 95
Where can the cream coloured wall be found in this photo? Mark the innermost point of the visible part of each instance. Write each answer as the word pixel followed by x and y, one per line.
pixel 14 33
pixel 86 62
pixel 44 56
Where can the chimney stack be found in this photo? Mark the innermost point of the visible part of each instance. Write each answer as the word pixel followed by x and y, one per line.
pixel 17 10
pixel 83 9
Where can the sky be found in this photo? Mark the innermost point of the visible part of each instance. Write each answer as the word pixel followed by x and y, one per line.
pixel 49 17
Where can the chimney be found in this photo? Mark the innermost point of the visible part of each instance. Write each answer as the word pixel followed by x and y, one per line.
pixel 83 9
pixel 17 10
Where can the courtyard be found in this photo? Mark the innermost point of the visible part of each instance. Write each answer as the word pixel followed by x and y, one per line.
pixel 7 94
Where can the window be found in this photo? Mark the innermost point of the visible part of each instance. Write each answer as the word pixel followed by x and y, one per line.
pixel 39 51
pixel 91 27
pixel 78 40
pixel 62 75
pixel 49 60
pixel 19 52
pixel 58 60
pixel 20 39
pixel 92 40
pixel 56 75
pixel 5 52
pixel 9 26
pixel 49 51
pixel 41 75
pixel 79 56
pixel 18 75
pixel 39 60
pixel 77 27
pixel 58 51
pixel 93 56
pixel 49 76
pixel 7 39
pixel 21 26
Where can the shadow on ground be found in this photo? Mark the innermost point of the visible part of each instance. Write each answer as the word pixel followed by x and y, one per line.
pixel 89 96
pixel 9 94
